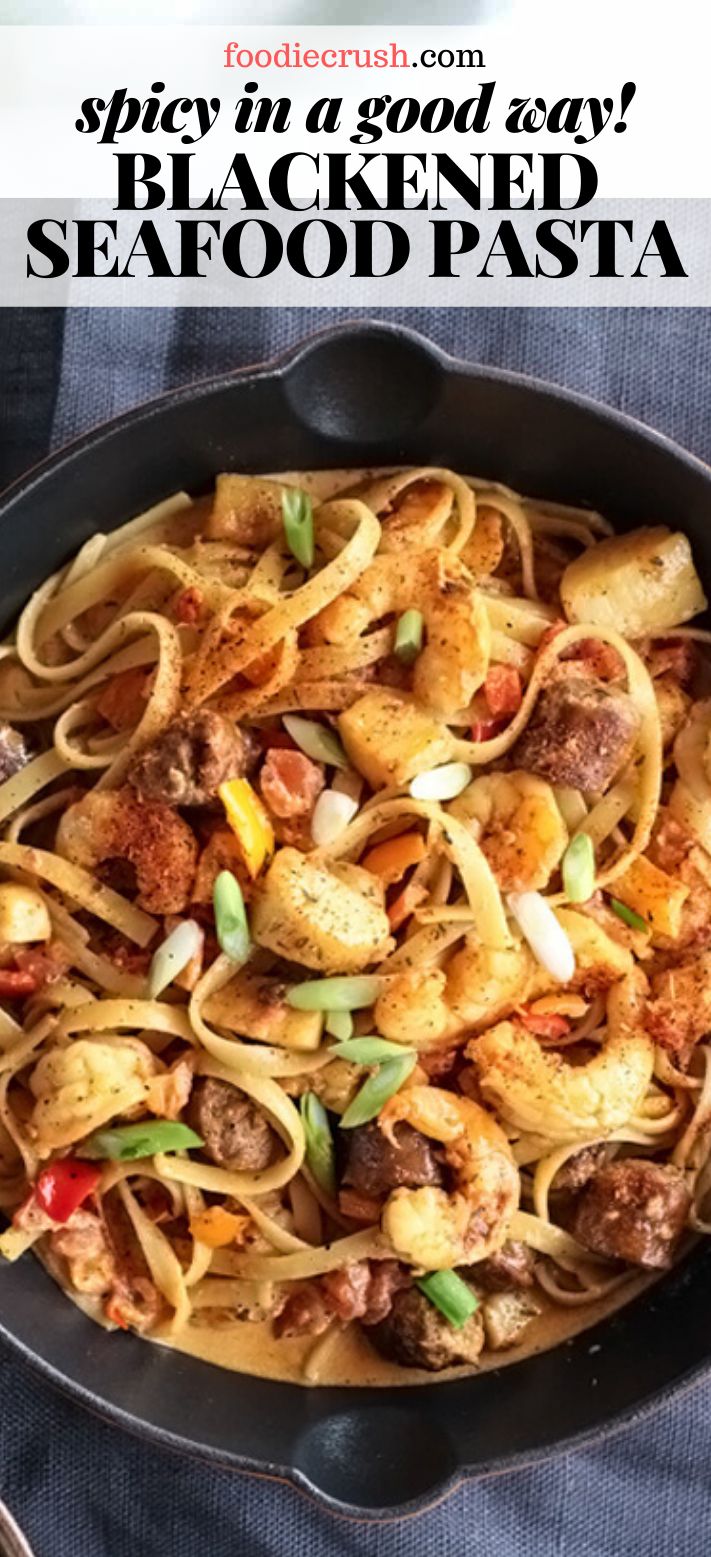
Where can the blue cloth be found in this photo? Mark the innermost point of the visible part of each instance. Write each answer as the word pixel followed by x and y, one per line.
pixel 81 1488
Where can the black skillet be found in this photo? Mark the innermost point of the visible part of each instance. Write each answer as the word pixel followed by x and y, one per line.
pixel 365 393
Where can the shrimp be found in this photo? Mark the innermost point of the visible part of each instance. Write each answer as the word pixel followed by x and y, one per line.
pixel 82 1086
pixel 413 1009
pixel 539 1092
pixel 485 983
pixel 150 838
pixel 428 1008
pixel 455 659
pixel 418 517
pixel 430 1227
pixel 516 821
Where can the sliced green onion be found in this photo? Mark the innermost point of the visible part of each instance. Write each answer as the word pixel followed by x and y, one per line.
pixel 369 1051
pixel 447 1292
pixel 375 1092
pixel 320 1151
pixel 122 1143
pixel 408 636
pixel 579 869
pixel 316 740
pixel 340 994
pixel 441 783
pixel 339 1024
pixel 628 916
pixel 231 917
pixel 298 516
pixel 177 950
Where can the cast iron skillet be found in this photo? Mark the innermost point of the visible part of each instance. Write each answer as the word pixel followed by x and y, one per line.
pixel 362 393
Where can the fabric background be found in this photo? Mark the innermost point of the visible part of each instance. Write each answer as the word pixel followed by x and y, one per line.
pixel 82 1489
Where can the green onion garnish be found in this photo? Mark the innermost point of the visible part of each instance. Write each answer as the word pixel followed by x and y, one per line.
pixel 320 1152
pixel 579 869
pixel 339 994
pixel 298 516
pixel 339 1024
pixel 369 1051
pixel 628 915
pixel 122 1143
pixel 408 636
pixel 177 950
pixel 375 1092
pixel 447 1292
pixel 316 740
pixel 231 917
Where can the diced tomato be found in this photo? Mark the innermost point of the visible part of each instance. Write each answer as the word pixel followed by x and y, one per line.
pixel 64 1185
pixel 486 729
pixel 188 606
pixel 545 1024
pixel 503 690
pixel 290 782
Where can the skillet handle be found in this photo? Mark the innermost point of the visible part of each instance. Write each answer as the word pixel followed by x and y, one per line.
pixel 367 383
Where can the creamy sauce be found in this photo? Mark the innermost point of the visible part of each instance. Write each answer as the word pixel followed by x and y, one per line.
pixel 346 1358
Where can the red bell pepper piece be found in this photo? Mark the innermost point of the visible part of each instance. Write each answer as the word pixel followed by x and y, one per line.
pixel 64 1185
pixel 486 729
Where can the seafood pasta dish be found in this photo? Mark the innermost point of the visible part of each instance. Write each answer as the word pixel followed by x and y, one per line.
pixel 355 923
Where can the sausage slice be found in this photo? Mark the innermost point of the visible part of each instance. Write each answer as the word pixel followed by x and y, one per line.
pixel 416 1335
pixel 185 765
pixel 633 1210
pixel 375 1165
pixel 235 1132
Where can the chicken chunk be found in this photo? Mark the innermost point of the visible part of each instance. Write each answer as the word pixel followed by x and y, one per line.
pixel 389 739
pixel 304 912
pixel 246 511
pixel 581 734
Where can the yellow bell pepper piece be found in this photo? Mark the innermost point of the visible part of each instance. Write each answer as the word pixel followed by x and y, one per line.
pixel 249 822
